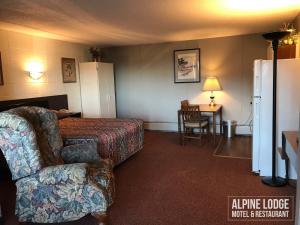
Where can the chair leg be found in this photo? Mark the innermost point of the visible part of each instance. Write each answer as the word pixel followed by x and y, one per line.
pixel 182 136
pixel 208 131
pixel 101 218
pixel 200 137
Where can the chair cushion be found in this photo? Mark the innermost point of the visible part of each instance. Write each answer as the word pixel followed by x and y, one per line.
pixel 69 199
pixel 63 174
pixel 195 124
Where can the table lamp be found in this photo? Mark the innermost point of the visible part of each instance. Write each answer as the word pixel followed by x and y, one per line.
pixel 212 84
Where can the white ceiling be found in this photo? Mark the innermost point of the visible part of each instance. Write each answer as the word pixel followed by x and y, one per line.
pixel 127 22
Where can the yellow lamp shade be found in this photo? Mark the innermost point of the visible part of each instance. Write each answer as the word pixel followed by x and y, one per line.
pixel 212 84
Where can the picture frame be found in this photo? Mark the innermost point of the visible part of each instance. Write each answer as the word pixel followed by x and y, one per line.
pixel 187 66
pixel 68 66
pixel 1 72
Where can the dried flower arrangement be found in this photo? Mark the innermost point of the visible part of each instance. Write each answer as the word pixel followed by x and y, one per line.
pixel 96 54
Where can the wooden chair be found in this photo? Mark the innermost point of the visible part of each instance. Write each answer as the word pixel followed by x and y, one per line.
pixel 194 120
pixel 185 105
pixel 189 128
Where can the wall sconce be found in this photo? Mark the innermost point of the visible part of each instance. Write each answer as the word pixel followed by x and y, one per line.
pixel 35 70
pixel 212 84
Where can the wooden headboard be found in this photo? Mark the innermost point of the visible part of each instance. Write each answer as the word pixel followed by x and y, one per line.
pixel 50 102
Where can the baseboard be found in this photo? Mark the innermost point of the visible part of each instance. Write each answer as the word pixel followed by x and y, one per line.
pixel 161 126
pixel 243 130
pixel 173 127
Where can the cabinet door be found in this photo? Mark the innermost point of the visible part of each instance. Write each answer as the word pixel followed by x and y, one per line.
pixel 90 95
pixel 107 90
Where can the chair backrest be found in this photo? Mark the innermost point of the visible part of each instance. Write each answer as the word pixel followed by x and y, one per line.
pixel 45 124
pixel 19 145
pixel 184 104
pixel 191 116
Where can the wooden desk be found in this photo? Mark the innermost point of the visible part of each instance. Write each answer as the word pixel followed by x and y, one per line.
pixel 205 108
pixel 289 155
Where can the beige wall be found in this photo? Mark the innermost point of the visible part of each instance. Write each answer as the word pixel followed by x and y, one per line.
pixel 17 49
pixel 145 85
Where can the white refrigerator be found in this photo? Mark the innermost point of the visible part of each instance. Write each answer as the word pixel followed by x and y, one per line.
pixel 288 107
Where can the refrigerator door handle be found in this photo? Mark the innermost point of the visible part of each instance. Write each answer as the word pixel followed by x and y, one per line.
pixel 257 109
pixel 257 77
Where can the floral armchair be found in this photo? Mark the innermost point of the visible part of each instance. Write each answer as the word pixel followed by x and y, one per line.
pixel 48 190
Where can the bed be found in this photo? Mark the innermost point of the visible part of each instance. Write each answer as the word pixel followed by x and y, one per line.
pixel 117 139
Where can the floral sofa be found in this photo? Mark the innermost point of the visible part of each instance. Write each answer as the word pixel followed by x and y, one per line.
pixel 48 190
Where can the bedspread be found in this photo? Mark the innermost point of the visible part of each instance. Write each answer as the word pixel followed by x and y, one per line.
pixel 117 139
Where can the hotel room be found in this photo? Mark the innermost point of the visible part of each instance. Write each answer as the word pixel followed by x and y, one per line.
pixel 142 112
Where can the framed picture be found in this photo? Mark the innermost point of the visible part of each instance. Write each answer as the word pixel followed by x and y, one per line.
pixel 68 70
pixel 187 66
pixel 1 72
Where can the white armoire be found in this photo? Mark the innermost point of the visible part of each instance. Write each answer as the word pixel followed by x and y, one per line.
pixel 97 87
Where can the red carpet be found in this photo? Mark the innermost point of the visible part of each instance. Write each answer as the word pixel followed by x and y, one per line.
pixel 168 184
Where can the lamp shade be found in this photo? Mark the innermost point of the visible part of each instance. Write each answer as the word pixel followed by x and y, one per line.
pixel 212 84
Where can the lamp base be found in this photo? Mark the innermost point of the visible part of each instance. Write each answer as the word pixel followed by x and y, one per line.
pixel 212 104
pixel 276 182
pixel 212 100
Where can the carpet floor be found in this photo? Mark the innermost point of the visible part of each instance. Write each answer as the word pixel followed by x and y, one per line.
pixel 235 147
pixel 170 184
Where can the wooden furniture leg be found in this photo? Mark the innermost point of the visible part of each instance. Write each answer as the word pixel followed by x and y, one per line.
pixel 1 217
pixel 287 163
pixel 286 158
pixel 200 137
pixel 182 136
pixel 214 127
pixel 208 131
pixel 101 218
pixel 179 127
pixel 221 121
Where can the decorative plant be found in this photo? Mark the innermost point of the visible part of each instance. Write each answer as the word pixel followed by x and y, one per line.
pixel 96 53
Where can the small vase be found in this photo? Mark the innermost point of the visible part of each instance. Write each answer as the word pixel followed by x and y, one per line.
pixel 97 59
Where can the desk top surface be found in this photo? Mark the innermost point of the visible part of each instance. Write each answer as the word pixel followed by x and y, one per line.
pixel 207 108
pixel 292 138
